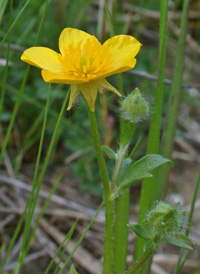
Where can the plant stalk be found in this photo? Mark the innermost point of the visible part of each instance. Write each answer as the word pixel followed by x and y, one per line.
pixel 109 202
pixel 149 191
pixel 140 262
pixel 120 242
pixel 174 100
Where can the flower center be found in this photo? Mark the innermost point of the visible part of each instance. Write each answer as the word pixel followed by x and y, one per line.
pixel 86 60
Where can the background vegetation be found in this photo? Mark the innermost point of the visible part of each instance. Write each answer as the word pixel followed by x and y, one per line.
pixel 73 155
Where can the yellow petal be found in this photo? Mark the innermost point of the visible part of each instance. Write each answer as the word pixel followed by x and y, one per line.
pixel 73 94
pixel 123 49
pixel 69 34
pixel 61 78
pixel 43 58
pixel 103 84
pixel 89 91
pixel 114 70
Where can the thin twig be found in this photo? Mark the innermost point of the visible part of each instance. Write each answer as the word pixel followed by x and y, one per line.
pixel 149 76
pixel 28 259
pixel 44 194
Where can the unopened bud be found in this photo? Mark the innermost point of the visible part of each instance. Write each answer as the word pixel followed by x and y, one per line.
pixel 134 107
pixel 166 218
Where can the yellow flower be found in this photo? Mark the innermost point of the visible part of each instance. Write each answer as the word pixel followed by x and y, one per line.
pixel 83 62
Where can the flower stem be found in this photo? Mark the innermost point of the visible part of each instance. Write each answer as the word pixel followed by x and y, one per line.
pixel 120 239
pixel 109 202
pixel 140 262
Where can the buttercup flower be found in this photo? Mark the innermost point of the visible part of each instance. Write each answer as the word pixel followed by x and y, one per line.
pixel 83 62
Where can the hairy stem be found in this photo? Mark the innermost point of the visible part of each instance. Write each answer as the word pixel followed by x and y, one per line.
pixel 140 262
pixel 109 202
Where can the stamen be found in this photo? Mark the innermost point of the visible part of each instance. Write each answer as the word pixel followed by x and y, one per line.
pixel 86 60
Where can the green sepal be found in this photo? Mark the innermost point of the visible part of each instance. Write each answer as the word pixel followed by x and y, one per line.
pixel 183 237
pixel 176 242
pixel 140 169
pixel 73 270
pixel 127 133
pixel 140 231
pixel 109 152
pixel 149 245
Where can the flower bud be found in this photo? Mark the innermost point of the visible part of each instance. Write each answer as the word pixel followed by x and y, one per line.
pixel 166 218
pixel 134 107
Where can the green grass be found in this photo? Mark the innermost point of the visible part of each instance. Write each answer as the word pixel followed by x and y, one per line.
pixel 28 107
pixel 149 191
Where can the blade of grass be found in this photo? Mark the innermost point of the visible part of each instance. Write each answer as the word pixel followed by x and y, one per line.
pixel 28 139
pixel 24 149
pixel 14 23
pixel 3 4
pixel 80 240
pixel 19 225
pixel 14 238
pixel 44 207
pixel 187 231
pixel 37 185
pixel 63 252
pixel 10 126
pixel 109 20
pixel 7 60
pixel 52 112
pixel 169 131
pixel 100 26
pixel 149 188
pixel 112 33
pixel 184 260
pixel 16 107
pixel 34 187
pixel 31 24
pixel 66 239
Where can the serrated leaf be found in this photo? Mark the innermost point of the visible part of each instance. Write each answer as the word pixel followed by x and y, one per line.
pixel 109 152
pixel 140 231
pixel 140 169
pixel 73 270
pixel 183 237
pixel 177 243
pixel 149 245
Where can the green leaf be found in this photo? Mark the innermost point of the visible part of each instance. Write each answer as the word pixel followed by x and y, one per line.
pixel 140 231
pixel 141 168
pixel 177 243
pixel 183 237
pixel 126 163
pixel 73 270
pixel 149 245
pixel 127 134
pixel 109 152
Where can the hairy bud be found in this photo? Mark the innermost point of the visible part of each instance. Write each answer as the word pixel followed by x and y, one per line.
pixel 165 218
pixel 134 107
